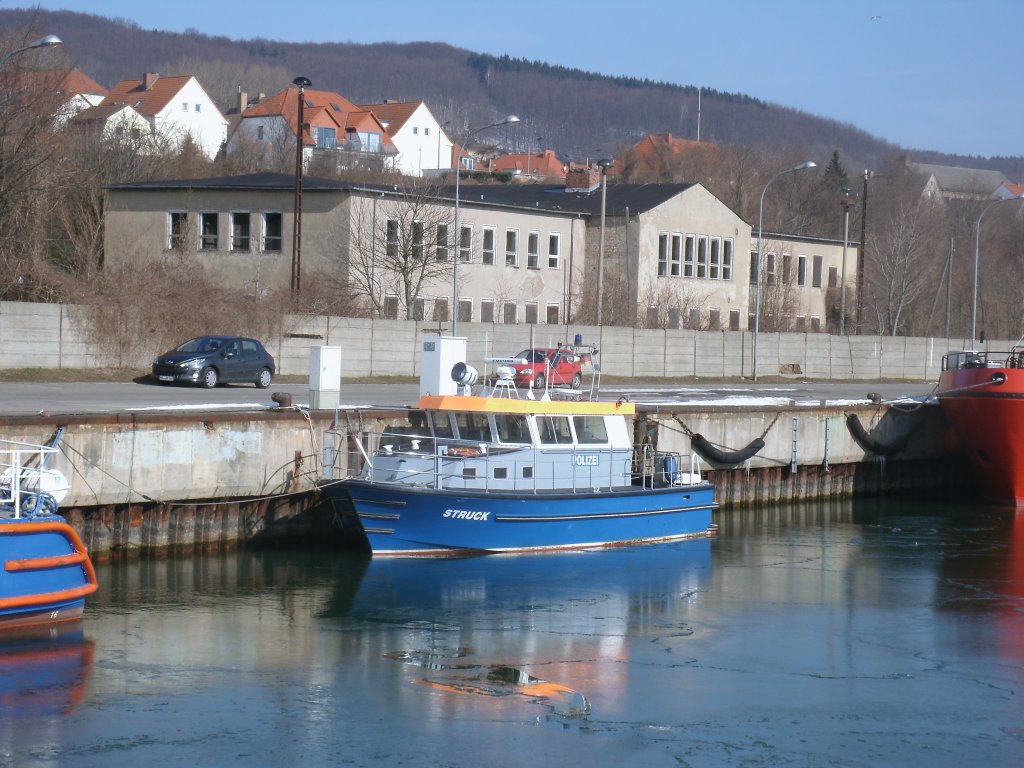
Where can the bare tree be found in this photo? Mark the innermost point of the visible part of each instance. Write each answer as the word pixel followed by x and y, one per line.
pixel 397 245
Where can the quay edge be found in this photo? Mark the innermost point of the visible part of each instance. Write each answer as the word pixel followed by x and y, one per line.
pixel 154 483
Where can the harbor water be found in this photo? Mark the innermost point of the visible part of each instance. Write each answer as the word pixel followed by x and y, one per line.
pixel 854 633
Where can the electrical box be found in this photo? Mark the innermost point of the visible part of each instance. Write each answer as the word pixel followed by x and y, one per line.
pixel 324 377
pixel 438 355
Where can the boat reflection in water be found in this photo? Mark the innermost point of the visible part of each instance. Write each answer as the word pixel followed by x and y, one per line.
pixel 541 630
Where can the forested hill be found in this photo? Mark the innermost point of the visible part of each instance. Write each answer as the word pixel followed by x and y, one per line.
pixel 578 114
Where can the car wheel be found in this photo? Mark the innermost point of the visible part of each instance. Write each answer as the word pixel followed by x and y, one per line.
pixel 264 378
pixel 576 381
pixel 539 381
pixel 208 378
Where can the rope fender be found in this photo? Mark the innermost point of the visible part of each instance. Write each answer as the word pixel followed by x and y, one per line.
pixel 701 445
pixel 868 443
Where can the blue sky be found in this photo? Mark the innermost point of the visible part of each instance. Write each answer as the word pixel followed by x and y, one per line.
pixel 927 74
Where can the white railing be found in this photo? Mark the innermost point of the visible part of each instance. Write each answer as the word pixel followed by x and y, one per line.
pixel 24 477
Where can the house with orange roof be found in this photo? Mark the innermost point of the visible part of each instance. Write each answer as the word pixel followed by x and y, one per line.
pixel 334 130
pixel 535 165
pixel 1008 190
pixel 175 108
pixel 75 90
pixel 423 146
pixel 662 156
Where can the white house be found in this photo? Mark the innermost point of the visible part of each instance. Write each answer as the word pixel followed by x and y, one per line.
pixel 174 107
pixel 419 138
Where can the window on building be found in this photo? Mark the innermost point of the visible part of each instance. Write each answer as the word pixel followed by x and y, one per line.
pixel 769 269
pixel 508 310
pixel 441 242
pixel 240 231
pixel 653 317
pixel 440 310
pixel 787 268
pixel 208 228
pixel 554 250
pixel 815 324
pixel 676 267
pixel 663 255
pixel 715 263
pixel 674 318
pixel 702 256
pixel 415 130
pixel 801 323
pixel 184 106
pixel 392 233
pixel 714 319
pixel 533 250
pixel 391 307
pixel 734 319
pixel 694 321
pixel 273 227
pixel 801 270
pixel 369 141
pixel 419 247
pixel 426 130
pixel 727 259
pixel 511 247
pixel 325 138
pixel 177 230
pixel 199 108
pixel 833 277
pixel 418 308
pixel 486 310
pixel 552 314
pixel 753 267
pixel 261 133
pixel 688 257
pixel 531 312
pixel 465 242
pixel 465 310
pixel 816 272
pixel 487 248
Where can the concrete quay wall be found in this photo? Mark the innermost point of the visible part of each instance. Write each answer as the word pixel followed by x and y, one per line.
pixel 153 482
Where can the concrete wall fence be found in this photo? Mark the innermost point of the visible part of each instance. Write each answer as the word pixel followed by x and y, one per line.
pixel 34 335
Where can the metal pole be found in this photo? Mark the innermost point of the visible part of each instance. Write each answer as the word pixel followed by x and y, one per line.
pixel 863 249
pixel 600 252
pixel 760 231
pixel 842 283
pixel 303 83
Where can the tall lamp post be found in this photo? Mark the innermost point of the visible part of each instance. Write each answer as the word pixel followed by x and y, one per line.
pixel 760 232
pixel 977 251
pixel 43 42
pixel 846 201
pixel 604 165
pixel 507 120
pixel 302 83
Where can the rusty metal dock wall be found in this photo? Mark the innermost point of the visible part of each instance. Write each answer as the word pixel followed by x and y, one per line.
pixel 158 483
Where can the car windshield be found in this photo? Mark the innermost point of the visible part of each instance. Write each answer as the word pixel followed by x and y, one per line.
pixel 202 344
pixel 532 355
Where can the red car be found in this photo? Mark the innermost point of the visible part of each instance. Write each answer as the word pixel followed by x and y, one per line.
pixel 543 366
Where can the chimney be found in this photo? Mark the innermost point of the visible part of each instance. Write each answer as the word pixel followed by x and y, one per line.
pixel 583 179
pixel 243 101
pixel 149 80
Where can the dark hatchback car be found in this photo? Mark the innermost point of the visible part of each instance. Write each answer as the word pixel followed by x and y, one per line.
pixel 212 360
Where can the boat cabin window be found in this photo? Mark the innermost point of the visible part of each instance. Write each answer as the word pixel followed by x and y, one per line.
pixel 512 428
pixel 473 426
pixel 554 430
pixel 590 429
pixel 442 424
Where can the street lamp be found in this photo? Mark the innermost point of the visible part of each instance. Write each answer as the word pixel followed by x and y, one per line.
pixel 604 165
pixel 760 231
pixel 508 120
pixel 977 243
pixel 846 201
pixel 302 83
pixel 44 42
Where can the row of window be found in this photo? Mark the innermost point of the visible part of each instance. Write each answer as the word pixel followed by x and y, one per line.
pixel 488 254
pixel 694 319
pixel 241 231
pixel 704 257
pixel 510 311
pixel 772 276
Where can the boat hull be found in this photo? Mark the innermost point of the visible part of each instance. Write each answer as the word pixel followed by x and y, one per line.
pixel 985 407
pixel 404 520
pixel 45 572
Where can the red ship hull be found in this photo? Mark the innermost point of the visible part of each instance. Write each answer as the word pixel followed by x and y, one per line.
pixel 985 407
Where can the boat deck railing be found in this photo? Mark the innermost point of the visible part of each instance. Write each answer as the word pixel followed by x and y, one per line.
pixel 958 361
pixel 21 467
pixel 402 458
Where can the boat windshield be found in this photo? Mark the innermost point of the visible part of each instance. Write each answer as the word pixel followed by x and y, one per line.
pixel 473 426
pixel 512 428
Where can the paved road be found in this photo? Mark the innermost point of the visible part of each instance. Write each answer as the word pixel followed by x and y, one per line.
pixel 113 397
